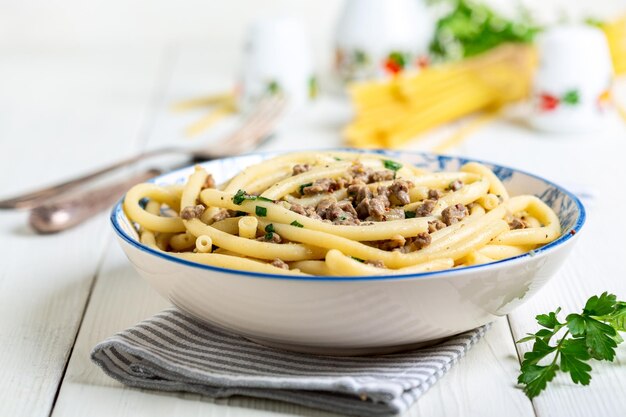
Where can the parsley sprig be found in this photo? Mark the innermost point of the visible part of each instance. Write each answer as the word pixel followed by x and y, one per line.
pixel 592 334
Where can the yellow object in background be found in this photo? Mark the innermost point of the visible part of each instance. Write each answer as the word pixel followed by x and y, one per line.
pixel 390 113
pixel 616 36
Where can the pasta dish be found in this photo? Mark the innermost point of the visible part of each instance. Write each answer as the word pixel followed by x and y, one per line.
pixel 341 214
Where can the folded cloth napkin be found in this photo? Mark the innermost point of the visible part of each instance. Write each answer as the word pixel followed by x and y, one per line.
pixel 174 352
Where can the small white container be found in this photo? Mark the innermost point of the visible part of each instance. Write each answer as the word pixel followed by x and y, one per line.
pixel 277 59
pixel 381 38
pixel 571 89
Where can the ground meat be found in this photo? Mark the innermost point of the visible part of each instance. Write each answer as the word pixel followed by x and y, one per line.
pixel 338 213
pixel 421 240
pixel 434 194
pixel 323 185
pixel 394 242
pixel 425 208
pixel 359 191
pixel 454 214
pixel 455 185
pixel 372 208
pixel 399 192
pixel 279 263
pixel 404 245
pixel 384 175
pixel 209 182
pixel 300 168
pixel 517 223
pixel 192 212
pixel 224 214
pixel 305 211
pixel 298 208
pixel 394 214
pixel 342 182
pixel 435 225
pixel 270 237
pixel 376 263
pixel 346 206
pixel 359 172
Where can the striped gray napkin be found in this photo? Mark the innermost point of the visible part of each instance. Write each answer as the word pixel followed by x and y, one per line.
pixel 174 352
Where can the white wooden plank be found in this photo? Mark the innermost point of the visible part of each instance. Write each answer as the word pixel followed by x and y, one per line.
pixel 61 112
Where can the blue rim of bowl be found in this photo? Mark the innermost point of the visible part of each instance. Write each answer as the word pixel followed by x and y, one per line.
pixel 567 235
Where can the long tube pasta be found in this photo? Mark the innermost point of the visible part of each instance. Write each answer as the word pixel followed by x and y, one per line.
pixel 417 222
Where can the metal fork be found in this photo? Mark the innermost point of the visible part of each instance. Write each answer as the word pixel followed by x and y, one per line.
pixel 54 214
pixel 257 125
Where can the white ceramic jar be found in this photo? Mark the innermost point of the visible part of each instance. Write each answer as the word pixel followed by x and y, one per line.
pixel 277 59
pixel 571 89
pixel 378 38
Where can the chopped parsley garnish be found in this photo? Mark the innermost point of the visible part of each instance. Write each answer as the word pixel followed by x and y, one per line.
pixel 295 223
pixel 409 214
pixel 269 231
pixel 240 213
pixel 591 334
pixel 264 199
pixel 392 165
pixel 337 158
pixel 260 211
pixel 358 259
pixel 241 196
pixel 303 186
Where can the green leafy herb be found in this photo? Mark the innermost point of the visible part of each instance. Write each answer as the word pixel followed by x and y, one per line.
pixel 471 28
pixel 409 214
pixel 358 259
pixel 303 186
pixel 270 228
pixel 392 165
pixel 265 199
pixel 592 334
pixel 260 211
pixel 240 213
pixel 295 223
pixel 240 196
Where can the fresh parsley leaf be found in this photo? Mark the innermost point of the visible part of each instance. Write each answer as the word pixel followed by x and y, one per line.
pixel 409 214
pixel 536 378
pixel 592 334
pixel 260 211
pixel 549 320
pixel 358 259
pixel 600 305
pixel 392 165
pixel 265 199
pixel 573 354
pixel 270 228
pixel 295 223
pixel 240 196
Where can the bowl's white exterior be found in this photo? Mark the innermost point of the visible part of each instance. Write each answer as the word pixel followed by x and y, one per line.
pixel 349 315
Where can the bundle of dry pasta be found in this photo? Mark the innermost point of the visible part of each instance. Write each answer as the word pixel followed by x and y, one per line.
pixel 615 32
pixel 341 214
pixel 389 113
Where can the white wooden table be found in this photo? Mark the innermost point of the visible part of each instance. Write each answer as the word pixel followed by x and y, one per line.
pixel 68 108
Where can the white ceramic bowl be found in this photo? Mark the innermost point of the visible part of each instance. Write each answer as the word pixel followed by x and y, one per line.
pixel 356 315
